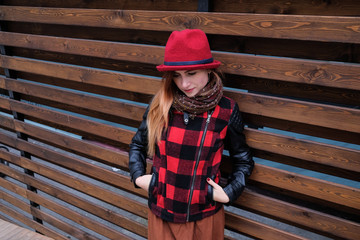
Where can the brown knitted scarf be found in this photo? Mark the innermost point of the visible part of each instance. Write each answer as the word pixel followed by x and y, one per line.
pixel 203 101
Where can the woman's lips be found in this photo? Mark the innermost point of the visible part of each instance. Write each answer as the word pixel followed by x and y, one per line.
pixel 189 90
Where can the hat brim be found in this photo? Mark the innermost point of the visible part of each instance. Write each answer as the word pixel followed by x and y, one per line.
pixel 163 68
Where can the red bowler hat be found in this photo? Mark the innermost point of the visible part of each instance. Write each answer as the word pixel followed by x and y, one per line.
pixel 187 50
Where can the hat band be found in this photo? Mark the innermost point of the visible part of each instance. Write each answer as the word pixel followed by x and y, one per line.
pixel 204 61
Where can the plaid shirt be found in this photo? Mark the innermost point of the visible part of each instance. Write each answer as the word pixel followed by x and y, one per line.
pixel 188 154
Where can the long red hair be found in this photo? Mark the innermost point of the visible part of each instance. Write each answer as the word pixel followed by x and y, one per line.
pixel 158 116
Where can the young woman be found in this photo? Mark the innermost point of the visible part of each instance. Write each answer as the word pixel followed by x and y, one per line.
pixel 185 130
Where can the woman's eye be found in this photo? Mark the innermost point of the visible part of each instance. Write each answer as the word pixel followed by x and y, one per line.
pixel 176 75
pixel 191 73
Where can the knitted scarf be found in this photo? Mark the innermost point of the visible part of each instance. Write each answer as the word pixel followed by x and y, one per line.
pixel 205 100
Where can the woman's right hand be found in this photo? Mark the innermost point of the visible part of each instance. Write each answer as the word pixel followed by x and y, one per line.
pixel 144 181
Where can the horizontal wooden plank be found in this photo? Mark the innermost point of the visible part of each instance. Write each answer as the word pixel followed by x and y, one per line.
pixel 78 99
pixel 46 217
pixel 256 229
pixel 315 221
pixel 80 202
pixel 282 211
pixel 78 123
pixel 71 163
pixel 323 73
pixel 286 109
pixel 298 111
pixel 69 180
pixel 311 92
pixel 64 211
pixel 306 165
pixel 28 222
pixel 315 188
pixel 97 77
pixel 320 189
pixel 302 128
pixel 338 157
pixel 302 27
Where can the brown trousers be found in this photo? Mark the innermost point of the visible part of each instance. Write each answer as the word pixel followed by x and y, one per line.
pixel 208 228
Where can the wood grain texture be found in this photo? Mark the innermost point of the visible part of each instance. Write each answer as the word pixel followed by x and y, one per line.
pixel 323 73
pixel 78 99
pixel 330 155
pixel 317 28
pixel 28 222
pixel 81 203
pixel 322 223
pixel 66 227
pixel 86 187
pixel 60 209
pixel 256 229
pixel 310 186
pixel 80 124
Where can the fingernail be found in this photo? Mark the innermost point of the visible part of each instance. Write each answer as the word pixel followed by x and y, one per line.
pixel 208 179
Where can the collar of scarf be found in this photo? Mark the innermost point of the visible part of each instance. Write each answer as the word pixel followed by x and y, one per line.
pixel 203 101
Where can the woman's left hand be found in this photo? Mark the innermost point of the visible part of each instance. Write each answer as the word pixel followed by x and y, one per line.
pixel 218 192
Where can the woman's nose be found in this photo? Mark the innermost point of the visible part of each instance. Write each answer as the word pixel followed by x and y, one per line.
pixel 185 82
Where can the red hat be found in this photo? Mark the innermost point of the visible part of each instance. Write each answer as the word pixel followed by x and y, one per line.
pixel 187 50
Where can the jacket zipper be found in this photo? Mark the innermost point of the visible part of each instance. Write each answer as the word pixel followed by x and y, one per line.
pixel 196 165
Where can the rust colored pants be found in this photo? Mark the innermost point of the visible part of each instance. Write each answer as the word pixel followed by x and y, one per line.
pixel 208 228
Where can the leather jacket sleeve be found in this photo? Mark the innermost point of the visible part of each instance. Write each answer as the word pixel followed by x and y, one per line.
pixel 240 155
pixel 138 151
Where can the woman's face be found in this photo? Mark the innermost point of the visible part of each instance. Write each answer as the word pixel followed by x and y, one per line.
pixel 191 82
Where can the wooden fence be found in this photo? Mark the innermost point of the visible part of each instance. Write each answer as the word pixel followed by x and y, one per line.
pixel 76 76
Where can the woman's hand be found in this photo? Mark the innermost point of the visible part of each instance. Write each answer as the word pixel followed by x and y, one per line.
pixel 144 181
pixel 218 192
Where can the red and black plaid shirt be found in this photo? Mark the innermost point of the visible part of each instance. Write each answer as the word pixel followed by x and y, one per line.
pixel 180 173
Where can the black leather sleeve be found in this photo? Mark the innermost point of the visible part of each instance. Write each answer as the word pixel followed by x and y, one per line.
pixel 240 155
pixel 138 151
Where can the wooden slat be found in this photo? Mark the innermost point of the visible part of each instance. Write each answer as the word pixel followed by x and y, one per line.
pixel 84 125
pixel 294 90
pixel 72 163
pixel 66 227
pixel 79 202
pixel 82 100
pixel 107 155
pixel 302 27
pixel 64 211
pixel 11 231
pixel 323 73
pixel 256 229
pixel 339 157
pixel 32 224
pixel 302 128
pixel 319 189
pixel 326 191
pixel 312 220
pixel 331 74
pixel 97 77
pixel 298 111
pixel 306 165
pixel 281 211
pixel 103 194
pixel 292 110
